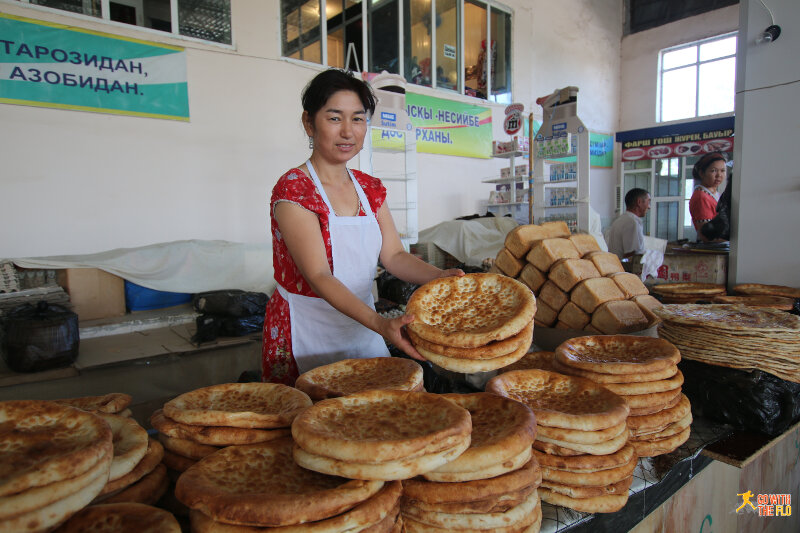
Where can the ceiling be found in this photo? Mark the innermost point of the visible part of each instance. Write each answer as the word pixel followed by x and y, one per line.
pixel 643 15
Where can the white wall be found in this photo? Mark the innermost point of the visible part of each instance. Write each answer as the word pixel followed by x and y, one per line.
pixel 765 247
pixel 639 67
pixel 75 182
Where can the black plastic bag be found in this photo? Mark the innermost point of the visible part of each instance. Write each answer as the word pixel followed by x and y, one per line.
pixel 752 400
pixel 231 302
pixel 40 337
pixel 209 327
pixel 395 289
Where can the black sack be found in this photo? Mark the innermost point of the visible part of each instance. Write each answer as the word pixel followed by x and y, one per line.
pixel 746 399
pixel 40 337
pixel 394 289
pixel 231 302
pixel 209 327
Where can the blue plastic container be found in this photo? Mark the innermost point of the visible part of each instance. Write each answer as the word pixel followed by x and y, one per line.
pixel 138 298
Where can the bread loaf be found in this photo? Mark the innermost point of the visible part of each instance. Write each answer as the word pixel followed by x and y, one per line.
pixel 553 296
pixel 544 253
pixel 585 243
pixel 619 317
pixel 573 316
pixel 629 284
pixel 520 239
pixel 590 293
pixel 606 262
pixel 532 277
pixel 647 303
pixel 508 264
pixel 566 273
pixel 545 315
pixel 557 228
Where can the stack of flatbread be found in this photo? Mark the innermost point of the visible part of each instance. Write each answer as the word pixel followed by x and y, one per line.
pixel 759 289
pixel 200 422
pixel 473 323
pixel 735 336
pixel 582 440
pixel 258 486
pixel 577 286
pixel 121 518
pixel 757 300
pixel 541 360
pixel 491 486
pixel 381 435
pixel 115 403
pixel 687 292
pixel 356 375
pixel 644 371
pixel 54 460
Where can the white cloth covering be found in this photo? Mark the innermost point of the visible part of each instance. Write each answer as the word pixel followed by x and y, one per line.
pixel 470 241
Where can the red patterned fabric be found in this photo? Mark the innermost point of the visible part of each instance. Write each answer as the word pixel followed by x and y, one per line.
pixel 702 207
pixel 277 362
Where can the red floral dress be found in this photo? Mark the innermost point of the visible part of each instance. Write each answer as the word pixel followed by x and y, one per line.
pixel 277 363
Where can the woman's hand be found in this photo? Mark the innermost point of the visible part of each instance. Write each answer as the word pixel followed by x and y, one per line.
pixel 391 329
pixel 451 272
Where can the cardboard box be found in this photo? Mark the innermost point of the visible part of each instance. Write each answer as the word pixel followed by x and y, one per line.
pixel 699 267
pixel 93 293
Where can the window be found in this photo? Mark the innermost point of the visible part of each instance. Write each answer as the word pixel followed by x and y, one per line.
pixel 209 20
pixel 697 79
pixel 433 43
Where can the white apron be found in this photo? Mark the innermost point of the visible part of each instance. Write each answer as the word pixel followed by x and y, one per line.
pixel 320 334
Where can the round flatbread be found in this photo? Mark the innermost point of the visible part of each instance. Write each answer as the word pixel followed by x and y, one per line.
pixel 469 366
pixel 245 405
pixel 660 400
pixel 488 471
pixel 620 487
pixel 113 403
pixel 379 426
pixel 769 290
pixel 617 354
pixel 603 379
pixel 214 435
pixel 382 510
pixel 554 449
pixel 542 360
pixel 471 310
pixel 501 430
pixel 531 525
pixel 147 490
pixel 130 444
pixel 652 448
pixel 176 462
pixel 637 416
pixel 498 504
pixel 186 448
pixel 489 351
pixel 404 468
pixel 688 288
pixel 599 504
pixel 519 515
pixel 586 463
pixel 357 375
pixel 121 518
pixel 590 479
pixel 602 448
pixel 45 518
pixel 68 442
pixel 151 459
pixel 646 387
pixel 670 430
pixel 582 437
pixel 562 401
pixel 472 491
pixel 260 485
pixel 733 318
pixel 758 300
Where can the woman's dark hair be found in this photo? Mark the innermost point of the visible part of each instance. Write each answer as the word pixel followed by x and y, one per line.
pixel 325 84
pixel 704 162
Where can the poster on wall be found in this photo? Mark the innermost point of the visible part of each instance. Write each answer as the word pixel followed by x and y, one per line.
pixel 678 140
pixel 601 148
pixel 44 64
pixel 450 128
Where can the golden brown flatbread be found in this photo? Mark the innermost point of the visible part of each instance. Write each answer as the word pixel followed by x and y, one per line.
pixel 214 435
pixel 469 366
pixel 485 472
pixel 130 444
pixel 471 310
pixel 604 379
pixel 176 462
pixel 573 491
pixel 562 401
pixel 585 463
pixel 68 442
pixel 147 490
pixel 591 479
pixel 688 288
pixel 652 448
pixel 519 515
pixel 357 375
pixel 601 448
pixel 489 351
pixel 647 387
pixel 151 459
pixel 186 448
pixel 113 403
pixel 617 354
pixel 497 504
pixel 599 504
pixel 121 518
pixel 260 485
pixel 247 405
pixel 768 290
pixel 581 437
pixel 541 360
pixel 531 525
pixel 758 300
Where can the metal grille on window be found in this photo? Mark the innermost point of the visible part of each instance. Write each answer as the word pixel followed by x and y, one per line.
pixel 209 20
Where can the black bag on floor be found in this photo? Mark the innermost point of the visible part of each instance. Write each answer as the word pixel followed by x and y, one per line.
pixel 209 327
pixel 231 302
pixel 40 337
pixel 751 400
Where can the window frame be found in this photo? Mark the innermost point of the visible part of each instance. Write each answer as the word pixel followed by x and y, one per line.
pixel 363 60
pixel 697 63
pixel 105 19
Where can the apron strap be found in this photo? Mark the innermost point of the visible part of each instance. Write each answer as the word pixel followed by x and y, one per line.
pixel 365 205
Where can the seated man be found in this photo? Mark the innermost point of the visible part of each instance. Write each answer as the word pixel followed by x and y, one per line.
pixel 626 236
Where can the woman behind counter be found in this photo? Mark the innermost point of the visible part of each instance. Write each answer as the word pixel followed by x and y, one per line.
pixel 709 171
pixel 330 226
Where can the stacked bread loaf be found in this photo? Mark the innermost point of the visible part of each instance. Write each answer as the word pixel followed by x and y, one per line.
pixel 492 486
pixel 687 292
pixel 581 444
pixel 473 323
pixel 122 517
pixel 644 371
pixel 200 422
pixel 577 285
pixel 241 488
pixel 349 376
pixel 55 460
